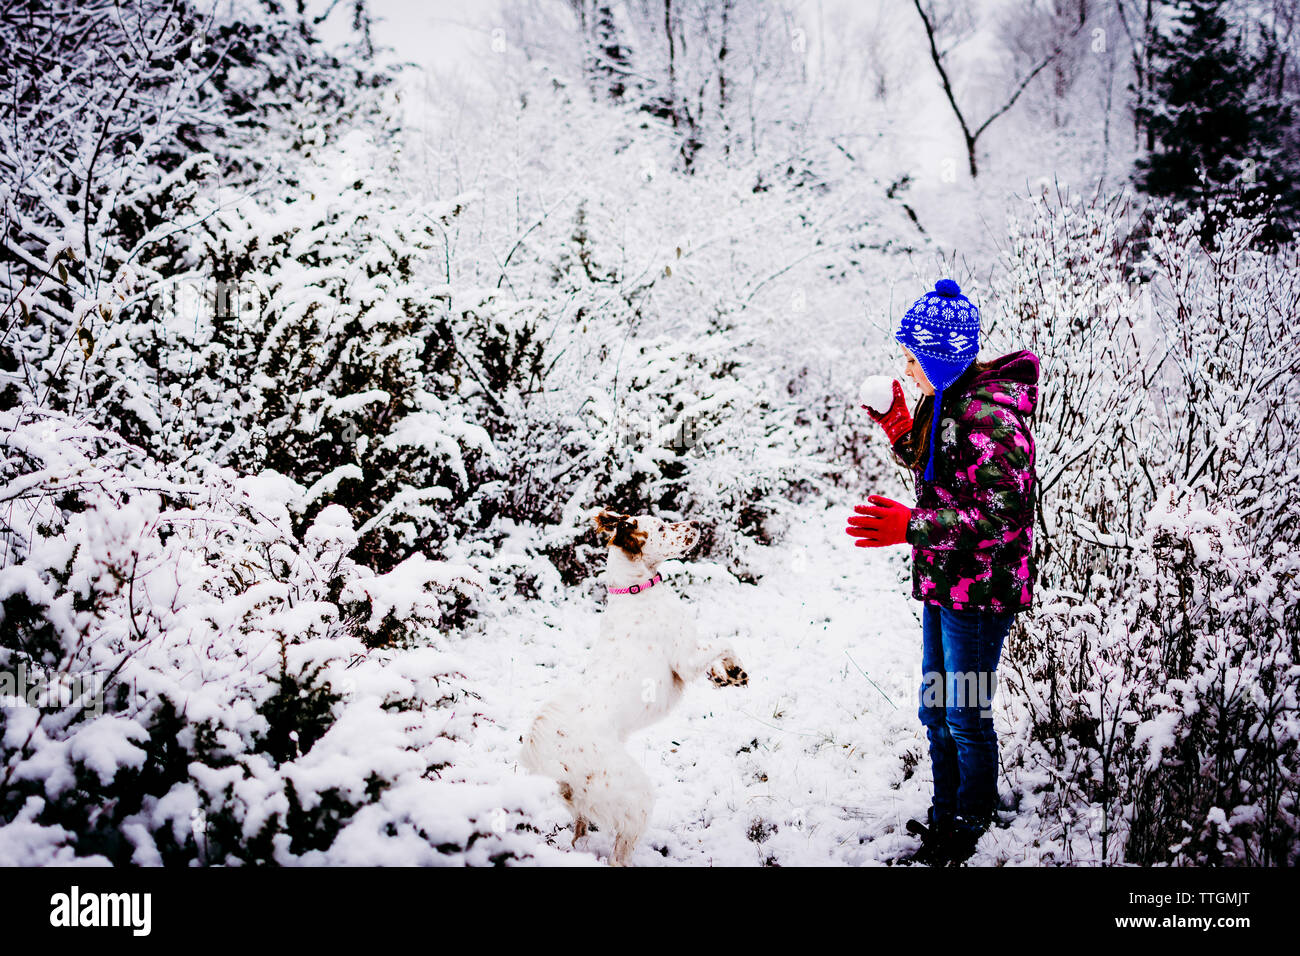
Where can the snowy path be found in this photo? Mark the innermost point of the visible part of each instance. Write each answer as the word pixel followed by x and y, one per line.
pixel 805 766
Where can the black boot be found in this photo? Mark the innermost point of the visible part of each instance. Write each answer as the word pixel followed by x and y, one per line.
pixel 934 834
pixel 964 833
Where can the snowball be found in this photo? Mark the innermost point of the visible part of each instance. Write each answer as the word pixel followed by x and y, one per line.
pixel 877 393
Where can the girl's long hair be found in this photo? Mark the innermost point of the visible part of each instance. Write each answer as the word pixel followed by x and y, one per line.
pixel 921 418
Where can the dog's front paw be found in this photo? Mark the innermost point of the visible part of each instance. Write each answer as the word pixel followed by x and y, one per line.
pixel 727 672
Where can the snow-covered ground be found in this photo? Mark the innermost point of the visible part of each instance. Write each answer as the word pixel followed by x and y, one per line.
pixel 806 766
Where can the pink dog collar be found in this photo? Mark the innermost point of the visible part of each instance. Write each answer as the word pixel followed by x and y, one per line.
pixel 636 588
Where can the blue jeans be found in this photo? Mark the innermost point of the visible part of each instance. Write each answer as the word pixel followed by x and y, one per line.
pixel 959 659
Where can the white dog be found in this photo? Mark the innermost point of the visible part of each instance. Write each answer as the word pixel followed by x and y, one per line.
pixel 646 653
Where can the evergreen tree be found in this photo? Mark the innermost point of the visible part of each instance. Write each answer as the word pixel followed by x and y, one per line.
pixel 610 62
pixel 1216 127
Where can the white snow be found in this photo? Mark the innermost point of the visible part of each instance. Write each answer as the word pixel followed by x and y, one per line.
pixel 816 747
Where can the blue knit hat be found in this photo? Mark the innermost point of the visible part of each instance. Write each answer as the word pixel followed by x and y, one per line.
pixel 942 329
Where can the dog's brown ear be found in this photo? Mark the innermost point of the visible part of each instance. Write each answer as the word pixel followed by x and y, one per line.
pixel 607 521
pixel 620 531
pixel 627 537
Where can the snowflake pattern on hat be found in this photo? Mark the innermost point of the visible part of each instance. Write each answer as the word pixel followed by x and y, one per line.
pixel 942 329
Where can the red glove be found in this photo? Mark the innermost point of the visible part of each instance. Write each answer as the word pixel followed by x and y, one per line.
pixel 898 420
pixel 881 523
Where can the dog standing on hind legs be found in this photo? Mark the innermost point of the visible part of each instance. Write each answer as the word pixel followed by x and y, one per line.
pixel 647 651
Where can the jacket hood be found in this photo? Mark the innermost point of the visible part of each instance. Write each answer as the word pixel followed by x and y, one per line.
pixel 1011 381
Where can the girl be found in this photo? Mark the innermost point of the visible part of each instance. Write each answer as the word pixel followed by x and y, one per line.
pixel 971 532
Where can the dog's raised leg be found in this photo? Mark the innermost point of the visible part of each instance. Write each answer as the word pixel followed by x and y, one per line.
pixel 727 672
pixel 718 662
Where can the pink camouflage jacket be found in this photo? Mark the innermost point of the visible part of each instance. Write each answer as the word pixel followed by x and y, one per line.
pixel 972 531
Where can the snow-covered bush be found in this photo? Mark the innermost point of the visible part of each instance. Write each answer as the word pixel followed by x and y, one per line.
pixel 1217 732
pixel 229 708
pixel 426 408
pixel 1155 682
pixel 132 110
pixel 316 362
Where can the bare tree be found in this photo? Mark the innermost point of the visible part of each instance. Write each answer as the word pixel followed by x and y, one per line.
pixel 972 135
